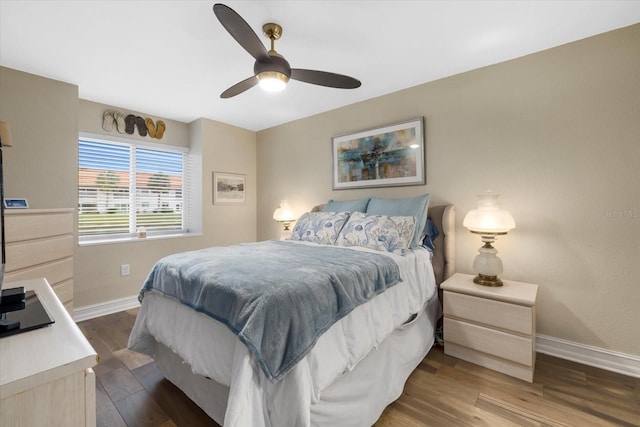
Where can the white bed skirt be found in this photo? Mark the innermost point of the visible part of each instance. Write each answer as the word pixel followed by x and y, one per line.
pixel 357 398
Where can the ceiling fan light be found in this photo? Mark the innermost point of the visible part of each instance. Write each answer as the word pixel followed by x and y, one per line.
pixel 272 81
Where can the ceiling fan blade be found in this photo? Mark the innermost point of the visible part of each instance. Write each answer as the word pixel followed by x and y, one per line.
pixel 241 32
pixel 324 78
pixel 240 87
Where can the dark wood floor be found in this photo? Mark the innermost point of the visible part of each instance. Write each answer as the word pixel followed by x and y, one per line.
pixel 443 391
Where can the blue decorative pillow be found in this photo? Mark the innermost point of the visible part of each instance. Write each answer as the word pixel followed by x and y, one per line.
pixel 379 232
pixel 430 234
pixel 346 205
pixel 319 227
pixel 416 207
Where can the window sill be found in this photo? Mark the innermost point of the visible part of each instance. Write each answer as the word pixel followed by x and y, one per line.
pixel 130 239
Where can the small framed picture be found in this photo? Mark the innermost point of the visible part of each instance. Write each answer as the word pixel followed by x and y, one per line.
pixel 16 203
pixel 228 188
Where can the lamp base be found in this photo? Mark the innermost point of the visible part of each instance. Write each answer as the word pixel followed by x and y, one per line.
pixel 484 280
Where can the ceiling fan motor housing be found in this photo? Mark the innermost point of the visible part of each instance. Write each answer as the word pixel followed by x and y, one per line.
pixel 278 65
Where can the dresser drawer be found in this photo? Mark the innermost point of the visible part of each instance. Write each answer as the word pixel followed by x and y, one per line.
pixel 54 271
pixel 29 226
pixel 496 343
pixel 40 243
pixel 33 252
pixel 511 317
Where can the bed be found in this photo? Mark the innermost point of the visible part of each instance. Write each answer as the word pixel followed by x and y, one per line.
pixel 349 369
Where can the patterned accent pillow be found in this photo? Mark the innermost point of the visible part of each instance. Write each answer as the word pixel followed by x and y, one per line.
pixel 319 227
pixel 414 206
pixel 382 233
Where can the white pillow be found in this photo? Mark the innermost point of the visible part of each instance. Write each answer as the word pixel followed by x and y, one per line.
pixel 382 233
pixel 319 227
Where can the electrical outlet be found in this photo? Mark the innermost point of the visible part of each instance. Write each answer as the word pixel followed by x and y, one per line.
pixel 124 270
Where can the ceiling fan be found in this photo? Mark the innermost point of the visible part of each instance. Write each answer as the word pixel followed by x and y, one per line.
pixel 271 71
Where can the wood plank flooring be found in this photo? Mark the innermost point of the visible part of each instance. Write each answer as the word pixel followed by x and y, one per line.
pixel 442 391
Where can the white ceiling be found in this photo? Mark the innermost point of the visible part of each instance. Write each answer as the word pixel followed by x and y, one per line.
pixel 172 59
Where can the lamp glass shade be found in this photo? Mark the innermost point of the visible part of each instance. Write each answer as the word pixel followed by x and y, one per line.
pixel 5 134
pixel 489 218
pixel 283 213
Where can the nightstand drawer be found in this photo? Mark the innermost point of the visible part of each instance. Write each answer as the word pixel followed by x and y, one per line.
pixel 512 317
pixel 496 343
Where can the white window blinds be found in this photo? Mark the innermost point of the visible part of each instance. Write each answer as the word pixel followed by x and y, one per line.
pixel 125 186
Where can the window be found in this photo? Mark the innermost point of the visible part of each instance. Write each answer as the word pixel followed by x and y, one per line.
pixel 124 186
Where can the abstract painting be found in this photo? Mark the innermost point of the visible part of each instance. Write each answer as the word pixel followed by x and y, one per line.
pixel 389 156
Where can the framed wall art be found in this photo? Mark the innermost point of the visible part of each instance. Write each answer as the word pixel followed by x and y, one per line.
pixel 386 156
pixel 229 188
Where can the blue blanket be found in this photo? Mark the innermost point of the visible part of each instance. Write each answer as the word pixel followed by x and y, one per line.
pixel 278 297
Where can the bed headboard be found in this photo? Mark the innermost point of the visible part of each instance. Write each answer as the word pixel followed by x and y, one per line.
pixel 444 255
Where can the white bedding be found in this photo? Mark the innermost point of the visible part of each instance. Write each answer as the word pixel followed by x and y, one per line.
pixel 215 352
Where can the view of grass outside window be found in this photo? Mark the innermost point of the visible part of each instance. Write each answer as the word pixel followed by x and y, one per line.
pixel 124 187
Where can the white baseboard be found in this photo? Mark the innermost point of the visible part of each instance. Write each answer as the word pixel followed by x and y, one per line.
pixel 102 309
pixel 621 363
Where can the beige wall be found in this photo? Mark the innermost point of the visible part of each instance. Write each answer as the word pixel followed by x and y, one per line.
pixel 557 134
pixel 41 166
pixel 45 117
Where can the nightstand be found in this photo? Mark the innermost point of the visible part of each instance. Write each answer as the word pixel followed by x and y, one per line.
pixel 494 327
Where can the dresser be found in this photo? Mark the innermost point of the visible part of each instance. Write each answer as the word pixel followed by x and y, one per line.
pixel 39 243
pixel 46 375
pixel 494 327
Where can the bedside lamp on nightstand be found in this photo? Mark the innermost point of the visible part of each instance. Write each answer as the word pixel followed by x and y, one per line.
pixel 488 221
pixel 284 215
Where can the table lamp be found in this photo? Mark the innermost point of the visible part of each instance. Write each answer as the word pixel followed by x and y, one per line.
pixel 488 221
pixel 284 215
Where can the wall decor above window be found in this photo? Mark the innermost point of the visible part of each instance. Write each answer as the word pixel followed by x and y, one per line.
pixel 129 123
pixel 386 156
